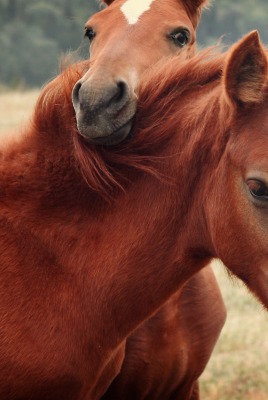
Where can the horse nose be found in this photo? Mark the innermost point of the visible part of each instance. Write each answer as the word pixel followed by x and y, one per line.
pixel 112 97
pixel 120 97
pixel 75 94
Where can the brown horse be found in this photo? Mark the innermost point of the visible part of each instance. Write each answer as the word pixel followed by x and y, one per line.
pixel 105 102
pixel 78 273
pixel 126 38
pixel 174 37
pixel 167 353
pixel 39 314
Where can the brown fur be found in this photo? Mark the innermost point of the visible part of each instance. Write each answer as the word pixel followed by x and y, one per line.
pixel 247 87
pixel 105 98
pixel 80 274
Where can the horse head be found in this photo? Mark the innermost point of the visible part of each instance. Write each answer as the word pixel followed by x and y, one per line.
pixel 240 191
pixel 126 38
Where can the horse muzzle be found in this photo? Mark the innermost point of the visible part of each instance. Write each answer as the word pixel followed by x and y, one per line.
pixel 104 112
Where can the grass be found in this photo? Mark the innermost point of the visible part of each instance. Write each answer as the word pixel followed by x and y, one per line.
pixel 15 108
pixel 238 369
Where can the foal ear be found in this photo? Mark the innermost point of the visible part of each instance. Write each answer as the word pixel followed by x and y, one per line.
pixel 107 2
pixel 195 8
pixel 194 3
pixel 199 3
pixel 245 73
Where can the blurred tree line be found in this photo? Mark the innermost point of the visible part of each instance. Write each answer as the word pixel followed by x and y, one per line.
pixel 35 33
pixel 233 19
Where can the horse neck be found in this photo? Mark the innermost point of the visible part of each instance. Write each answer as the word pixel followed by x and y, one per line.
pixel 203 147
pixel 125 258
pixel 196 124
pixel 33 167
pixel 176 242
pixel 35 161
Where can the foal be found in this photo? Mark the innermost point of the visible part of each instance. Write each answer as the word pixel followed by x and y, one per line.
pixel 226 137
pixel 125 39
pixel 80 273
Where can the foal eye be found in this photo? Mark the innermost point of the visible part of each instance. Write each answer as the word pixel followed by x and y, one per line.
pixel 181 37
pixel 258 189
pixel 90 33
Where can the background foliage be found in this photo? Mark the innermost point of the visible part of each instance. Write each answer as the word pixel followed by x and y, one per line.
pixel 35 33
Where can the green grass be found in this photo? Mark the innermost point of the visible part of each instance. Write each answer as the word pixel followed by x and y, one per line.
pixel 238 369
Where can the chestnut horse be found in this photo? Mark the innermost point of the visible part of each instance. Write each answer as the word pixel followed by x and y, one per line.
pixel 51 226
pixel 78 273
pixel 122 47
pixel 126 38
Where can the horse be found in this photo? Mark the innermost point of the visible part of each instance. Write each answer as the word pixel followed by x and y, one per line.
pixel 126 38
pixel 95 240
pixel 176 37
pixel 45 353
pixel 167 353
pixel 238 155
pixel 105 101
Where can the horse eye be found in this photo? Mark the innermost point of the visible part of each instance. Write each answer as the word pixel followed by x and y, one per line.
pixel 258 189
pixel 89 33
pixel 181 37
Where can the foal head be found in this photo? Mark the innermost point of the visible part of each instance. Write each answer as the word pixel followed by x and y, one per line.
pixel 215 110
pixel 126 38
pixel 240 188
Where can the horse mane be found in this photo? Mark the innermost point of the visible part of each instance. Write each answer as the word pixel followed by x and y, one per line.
pixel 191 95
pixel 105 169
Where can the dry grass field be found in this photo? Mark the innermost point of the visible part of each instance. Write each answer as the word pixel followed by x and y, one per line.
pixel 238 369
pixel 15 108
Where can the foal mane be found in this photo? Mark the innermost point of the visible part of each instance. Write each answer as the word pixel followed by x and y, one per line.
pixel 107 170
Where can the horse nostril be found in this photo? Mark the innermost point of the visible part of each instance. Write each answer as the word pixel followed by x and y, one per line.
pixel 122 90
pixel 120 96
pixel 89 95
pixel 75 93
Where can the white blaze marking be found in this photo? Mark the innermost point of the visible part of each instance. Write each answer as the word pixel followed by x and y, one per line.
pixel 133 9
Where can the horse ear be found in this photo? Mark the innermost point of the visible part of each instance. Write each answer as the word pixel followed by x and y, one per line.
pixel 193 5
pixel 200 3
pixel 195 8
pixel 107 2
pixel 197 4
pixel 245 73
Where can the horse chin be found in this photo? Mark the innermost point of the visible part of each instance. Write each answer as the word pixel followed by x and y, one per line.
pixel 112 139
